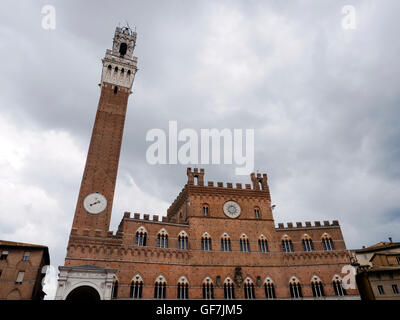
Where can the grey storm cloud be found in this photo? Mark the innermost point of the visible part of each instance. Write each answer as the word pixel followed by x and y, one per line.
pixel 323 101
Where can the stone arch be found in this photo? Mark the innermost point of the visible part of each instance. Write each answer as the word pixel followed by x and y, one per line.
pixel 85 291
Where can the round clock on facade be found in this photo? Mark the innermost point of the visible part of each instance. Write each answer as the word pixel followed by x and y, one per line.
pixel 231 209
pixel 95 203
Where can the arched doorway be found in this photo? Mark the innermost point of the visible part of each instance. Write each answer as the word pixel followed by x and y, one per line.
pixel 84 293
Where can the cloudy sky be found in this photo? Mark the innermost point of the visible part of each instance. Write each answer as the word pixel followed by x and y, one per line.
pixel 324 103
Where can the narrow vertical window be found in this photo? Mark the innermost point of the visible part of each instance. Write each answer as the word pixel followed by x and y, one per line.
pixel 115 290
pixel 160 288
pixel 248 288
pixel 317 288
pixel 225 243
pixel 262 244
pixel 295 289
pixel 162 239
pixel 244 243
pixel 338 287
pixel 206 242
pixel 141 237
pixel 205 210
pixel 269 289
pixel 136 289
pixel 208 289
pixel 229 289
pixel 327 242
pixel 183 241
pixel 287 245
pixel 307 243
pixel 182 289
pixel 257 212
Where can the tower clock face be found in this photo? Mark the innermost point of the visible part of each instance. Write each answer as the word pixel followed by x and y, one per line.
pixel 231 209
pixel 95 203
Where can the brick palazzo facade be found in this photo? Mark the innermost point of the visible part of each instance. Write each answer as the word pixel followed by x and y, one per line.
pixel 217 241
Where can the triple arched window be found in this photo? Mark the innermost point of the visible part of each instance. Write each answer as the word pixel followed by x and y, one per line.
pixel 269 289
pixel 287 245
pixel 208 289
pixel 307 243
pixel 183 240
pixel 162 239
pixel 338 286
pixel 160 288
pixel 182 291
pixel 248 288
pixel 136 287
pixel 317 287
pixel 225 243
pixel 141 237
pixel 295 288
pixel 206 243
pixel 229 289
pixel 262 244
pixel 327 242
pixel 244 243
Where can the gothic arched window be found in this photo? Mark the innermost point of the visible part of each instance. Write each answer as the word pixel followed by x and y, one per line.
pixel 257 212
pixel 262 244
pixel 225 243
pixel 229 289
pixel 244 243
pixel 295 288
pixel 327 242
pixel 141 237
pixel 307 243
pixel 182 289
pixel 338 286
pixel 317 287
pixel 160 288
pixel 208 289
pixel 206 210
pixel 269 289
pixel 248 288
pixel 136 289
pixel 123 47
pixel 206 242
pixel 183 240
pixel 115 289
pixel 287 245
pixel 162 239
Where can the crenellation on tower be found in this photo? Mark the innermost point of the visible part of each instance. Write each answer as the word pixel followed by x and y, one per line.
pixel 119 64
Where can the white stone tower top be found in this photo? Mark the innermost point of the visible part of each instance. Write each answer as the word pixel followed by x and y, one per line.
pixel 119 64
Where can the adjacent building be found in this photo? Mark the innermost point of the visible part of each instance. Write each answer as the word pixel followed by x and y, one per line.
pixel 22 270
pixel 378 271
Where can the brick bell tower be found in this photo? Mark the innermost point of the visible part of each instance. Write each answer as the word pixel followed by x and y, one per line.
pixel 93 210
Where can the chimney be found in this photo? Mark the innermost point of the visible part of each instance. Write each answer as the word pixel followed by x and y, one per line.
pixel 390 239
